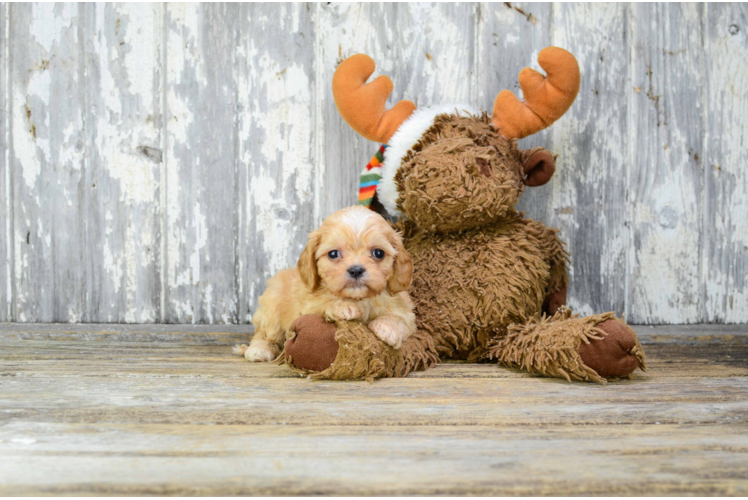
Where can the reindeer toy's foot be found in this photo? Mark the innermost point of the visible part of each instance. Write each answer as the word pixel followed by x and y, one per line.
pixel 348 350
pixel 594 348
pixel 312 345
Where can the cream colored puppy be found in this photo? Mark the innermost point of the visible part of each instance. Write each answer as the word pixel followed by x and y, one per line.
pixel 354 267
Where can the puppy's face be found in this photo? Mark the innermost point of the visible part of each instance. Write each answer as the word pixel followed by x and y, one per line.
pixel 355 254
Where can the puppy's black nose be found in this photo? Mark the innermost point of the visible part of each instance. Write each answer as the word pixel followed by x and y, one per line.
pixel 356 271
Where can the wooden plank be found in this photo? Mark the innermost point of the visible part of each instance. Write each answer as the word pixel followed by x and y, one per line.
pixel 97 333
pixel 124 158
pixel 190 334
pixel 229 334
pixel 682 333
pixel 118 402
pixel 49 161
pixel 510 36
pixel 589 192
pixel 409 401
pixel 6 204
pixel 427 50
pixel 717 357
pixel 274 460
pixel 279 171
pixel 725 237
pixel 201 188
pixel 194 398
pixel 667 163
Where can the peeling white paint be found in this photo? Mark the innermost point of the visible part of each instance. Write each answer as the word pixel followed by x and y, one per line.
pixel 725 252
pixel 268 227
pixel 179 39
pixel 24 142
pixel 113 267
pixel 49 19
pixel 201 238
pixel 587 193
pixel 208 300
pixel 7 103
pixel 664 182
pixel 143 57
pixel 39 86
pixel 288 121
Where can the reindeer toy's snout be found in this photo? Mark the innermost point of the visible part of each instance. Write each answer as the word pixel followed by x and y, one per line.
pixel 487 283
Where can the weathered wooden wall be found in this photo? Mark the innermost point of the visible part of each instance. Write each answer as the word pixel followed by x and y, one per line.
pixel 160 162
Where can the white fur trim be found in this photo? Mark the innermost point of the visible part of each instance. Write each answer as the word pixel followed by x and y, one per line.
pixel 406 136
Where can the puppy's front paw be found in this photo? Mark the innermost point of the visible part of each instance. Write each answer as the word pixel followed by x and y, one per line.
pixel 345 311
pixel 261 351
pixel 389 331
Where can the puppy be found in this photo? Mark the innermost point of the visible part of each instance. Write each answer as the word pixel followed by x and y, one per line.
pixel 354 267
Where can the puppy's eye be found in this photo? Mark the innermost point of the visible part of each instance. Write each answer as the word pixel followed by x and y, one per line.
pixel 378 253
pixel 333 254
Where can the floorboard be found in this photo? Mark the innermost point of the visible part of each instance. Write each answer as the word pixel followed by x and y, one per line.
pixel 167 409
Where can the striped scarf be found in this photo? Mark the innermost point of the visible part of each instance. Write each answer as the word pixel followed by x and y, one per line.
pixel 370 178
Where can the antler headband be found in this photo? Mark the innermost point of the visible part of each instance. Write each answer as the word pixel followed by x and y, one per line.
pixel 547 98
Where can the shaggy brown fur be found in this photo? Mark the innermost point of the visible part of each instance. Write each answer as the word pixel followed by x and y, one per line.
pixel 362 356
pixel 469 287
pixel 460 175
pixel 551 346
pixel 482 271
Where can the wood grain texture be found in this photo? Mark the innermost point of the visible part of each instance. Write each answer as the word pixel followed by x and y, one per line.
pixel 28 354
pixel 510 36
pixel 167 409
pixel 275 460
pixel 159 163
pixel 280 176
pixel 123 158
pixel 196 399
pixel 665 179
pixel 427 51
pixel 589 192
pixel 201 171
pixel 50 163
pixel 725 236
pixel 6 205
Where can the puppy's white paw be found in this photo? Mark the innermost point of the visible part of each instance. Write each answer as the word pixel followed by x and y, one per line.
pixel 346 311
pixel 239 350
pixel 389 331
pixel 261 351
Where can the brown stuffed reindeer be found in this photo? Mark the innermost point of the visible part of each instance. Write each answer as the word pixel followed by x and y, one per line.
pixel 488 284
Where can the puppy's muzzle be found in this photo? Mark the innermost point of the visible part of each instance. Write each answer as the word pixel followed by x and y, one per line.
pixel 356 272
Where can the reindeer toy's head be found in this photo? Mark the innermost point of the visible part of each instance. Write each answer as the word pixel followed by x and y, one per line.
pixel 452 168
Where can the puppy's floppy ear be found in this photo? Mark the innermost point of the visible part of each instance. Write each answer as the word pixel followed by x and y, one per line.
pixel 402 271
pixel 307 264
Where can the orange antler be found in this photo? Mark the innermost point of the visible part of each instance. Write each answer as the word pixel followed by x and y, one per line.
pixel 546 98
pixel 362 105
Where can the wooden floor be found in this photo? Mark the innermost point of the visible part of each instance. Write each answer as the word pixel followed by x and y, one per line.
pixel 110 409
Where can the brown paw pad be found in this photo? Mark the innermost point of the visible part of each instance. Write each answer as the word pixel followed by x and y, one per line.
pixel 617 354
pixel 313 347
